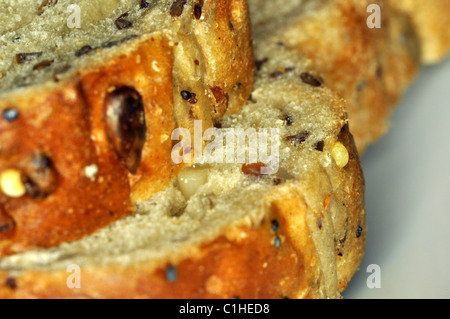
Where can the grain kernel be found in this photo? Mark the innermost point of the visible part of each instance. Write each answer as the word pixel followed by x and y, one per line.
pixel 11 183
pixel 191 179
pixel 340 154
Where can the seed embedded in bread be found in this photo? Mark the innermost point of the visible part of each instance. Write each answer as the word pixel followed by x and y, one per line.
pixel 191 179
pixel 11 183
pixel 340 154
pixel 40 178
pixel 309 79
pixel 125 123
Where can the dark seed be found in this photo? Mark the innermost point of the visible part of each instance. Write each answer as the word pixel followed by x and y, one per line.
pixel 298 138
pixel 41 178
pixel 126 127
pixel 186 95
pixel 84 50
pixel 309 79
pixel 320 223
pixel 171 273
pixel 10 114
pixel 260 63
pixel 358 231
pixel 193 100
pixel 275 225
pixel 277 242
pixel 122 23
pixel 26 57
pixel 288 120
pixel 42 65
pixel 144 4
pixel 11 283
pixel 190 97
pixel 235 297
pixel 253 169
pixel 319 146
pixel 177 7
pixel 198 9
pixel 276 181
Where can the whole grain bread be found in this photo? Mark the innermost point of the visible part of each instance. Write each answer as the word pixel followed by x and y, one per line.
pixel 88 110
pixel 224 230
pixel 369 67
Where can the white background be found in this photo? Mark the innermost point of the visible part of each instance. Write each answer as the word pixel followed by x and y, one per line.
pixel 408 196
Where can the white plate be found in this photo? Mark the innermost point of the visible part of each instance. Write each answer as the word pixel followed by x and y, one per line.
pixel 408 198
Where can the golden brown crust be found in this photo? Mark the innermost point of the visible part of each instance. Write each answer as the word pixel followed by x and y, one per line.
pixel 66 141
pixel 230 89
pixel 66 122
pixel 351 242
pixel 252 268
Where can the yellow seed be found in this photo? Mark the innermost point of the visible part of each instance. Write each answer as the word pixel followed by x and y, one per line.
pixel 340 154
pixel 191 179
pixel 11 183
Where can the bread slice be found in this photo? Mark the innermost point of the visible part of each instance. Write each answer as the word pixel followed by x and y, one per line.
pixel 224 230
pixel 369 67
pixel 430 20
pixel 87 113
